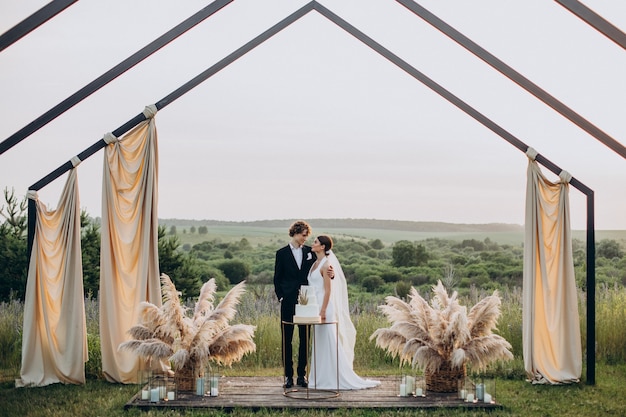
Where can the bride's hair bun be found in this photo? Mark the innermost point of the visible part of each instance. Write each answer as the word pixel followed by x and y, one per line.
pixel 326 241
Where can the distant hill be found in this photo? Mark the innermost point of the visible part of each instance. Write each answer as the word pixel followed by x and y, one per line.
pixel 400 225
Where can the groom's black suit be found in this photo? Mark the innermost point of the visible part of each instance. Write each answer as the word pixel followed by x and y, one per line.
pixel 287 280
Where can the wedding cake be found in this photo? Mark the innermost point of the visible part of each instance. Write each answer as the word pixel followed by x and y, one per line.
pixel 307 309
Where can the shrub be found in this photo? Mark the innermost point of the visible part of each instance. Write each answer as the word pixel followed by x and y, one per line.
pixel 236 271
pixel 372 283
pixel 402 289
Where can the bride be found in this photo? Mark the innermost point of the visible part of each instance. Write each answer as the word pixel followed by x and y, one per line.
pixel 328 353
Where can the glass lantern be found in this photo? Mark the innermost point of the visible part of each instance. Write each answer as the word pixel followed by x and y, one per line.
pixel 470 391
pixel 489 390
pixel 144 376
pixel 403 387
pixel 171 389
pixel 201 385
pixel 157 388
pixel 419 387
pixel 212 381
pixel 464 387
pixel 207 384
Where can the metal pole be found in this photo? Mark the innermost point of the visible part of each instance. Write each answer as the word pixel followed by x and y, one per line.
pixel 32 219
pixel 595 20
pixel 591 292
pixel 33 21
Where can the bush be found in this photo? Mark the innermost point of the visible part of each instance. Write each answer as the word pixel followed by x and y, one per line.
pixel 391 276
pixel 402 289
pixel 236 271
pixel 372 283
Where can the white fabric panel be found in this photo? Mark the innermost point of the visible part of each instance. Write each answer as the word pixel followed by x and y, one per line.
pixel 551 325
pixel 129 265
pixel 54 341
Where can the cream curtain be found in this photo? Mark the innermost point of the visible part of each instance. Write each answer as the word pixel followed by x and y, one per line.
pixel 54 340
pixel 551 325
pixel 129 256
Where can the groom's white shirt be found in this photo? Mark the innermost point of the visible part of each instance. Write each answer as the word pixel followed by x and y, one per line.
pixel 297 254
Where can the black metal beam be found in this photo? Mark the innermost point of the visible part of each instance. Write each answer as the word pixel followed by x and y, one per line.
pixel 33 21
pixel 111 74
pixel 595 20
pixel 515 76
pixel 591 291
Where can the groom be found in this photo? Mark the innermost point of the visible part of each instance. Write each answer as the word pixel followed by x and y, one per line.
pixel 290 271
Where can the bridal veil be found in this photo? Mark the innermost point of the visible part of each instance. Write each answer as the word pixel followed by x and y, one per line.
pixel 339 298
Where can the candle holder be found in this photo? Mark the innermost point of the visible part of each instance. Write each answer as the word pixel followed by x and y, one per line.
pixel 143 382
pixel 419 387
pixel 403 386
pixel 212 378
pixel 489 394
pixel 480 388
pixel 470 391
pixel 171 389
pixel 157 387
pixel 464 387
pixel 207 384
pixel 201 385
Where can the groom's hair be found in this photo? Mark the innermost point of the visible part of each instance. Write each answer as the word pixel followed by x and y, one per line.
pixel 299 227
pixel 326 241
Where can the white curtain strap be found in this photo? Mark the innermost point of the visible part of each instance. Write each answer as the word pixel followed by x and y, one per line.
pixel 150 111
pixel 531 153
pixel 32 195
pixel 109 138
pixel 75 161
pixel 565 176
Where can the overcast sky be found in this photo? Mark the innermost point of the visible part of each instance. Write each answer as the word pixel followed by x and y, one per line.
pixel 314 124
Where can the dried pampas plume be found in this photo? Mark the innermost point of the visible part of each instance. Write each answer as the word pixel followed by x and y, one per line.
pixel 442 332
pixel 170 333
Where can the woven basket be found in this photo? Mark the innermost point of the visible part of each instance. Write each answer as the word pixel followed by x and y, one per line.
pixel 446 379
pixel 185 379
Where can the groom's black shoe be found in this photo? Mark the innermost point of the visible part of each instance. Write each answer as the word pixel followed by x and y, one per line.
pixel 302 382
pixel 288 382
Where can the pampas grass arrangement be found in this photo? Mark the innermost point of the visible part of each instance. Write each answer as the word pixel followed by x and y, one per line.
pixel 191 341
pixel 442 336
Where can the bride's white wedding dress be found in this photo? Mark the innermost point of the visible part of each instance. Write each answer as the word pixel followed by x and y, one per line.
pixel 326 354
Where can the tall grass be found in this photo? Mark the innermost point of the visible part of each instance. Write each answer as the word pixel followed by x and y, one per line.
pixel 611 324
pixel 11 320
pixel 259 307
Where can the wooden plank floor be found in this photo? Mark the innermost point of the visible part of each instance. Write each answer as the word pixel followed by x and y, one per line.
pixel 257 393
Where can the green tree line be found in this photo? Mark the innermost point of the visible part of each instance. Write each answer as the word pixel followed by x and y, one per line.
pixel 370 266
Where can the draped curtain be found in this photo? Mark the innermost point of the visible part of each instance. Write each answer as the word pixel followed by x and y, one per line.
pixel 54 339
pixel 129 256
pixel 551 325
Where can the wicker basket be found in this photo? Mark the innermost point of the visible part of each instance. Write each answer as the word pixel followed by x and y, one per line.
pixel 446 379
pixel 185 379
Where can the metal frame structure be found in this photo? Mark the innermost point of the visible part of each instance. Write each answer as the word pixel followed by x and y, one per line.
pixel 314 5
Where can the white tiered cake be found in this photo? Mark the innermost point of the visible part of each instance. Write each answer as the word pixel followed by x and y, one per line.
pixel 307 309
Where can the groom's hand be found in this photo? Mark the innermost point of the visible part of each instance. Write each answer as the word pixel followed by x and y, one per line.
pixel 331 272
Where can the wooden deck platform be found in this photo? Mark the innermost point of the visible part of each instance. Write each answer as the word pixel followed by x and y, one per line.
pixel 255 393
